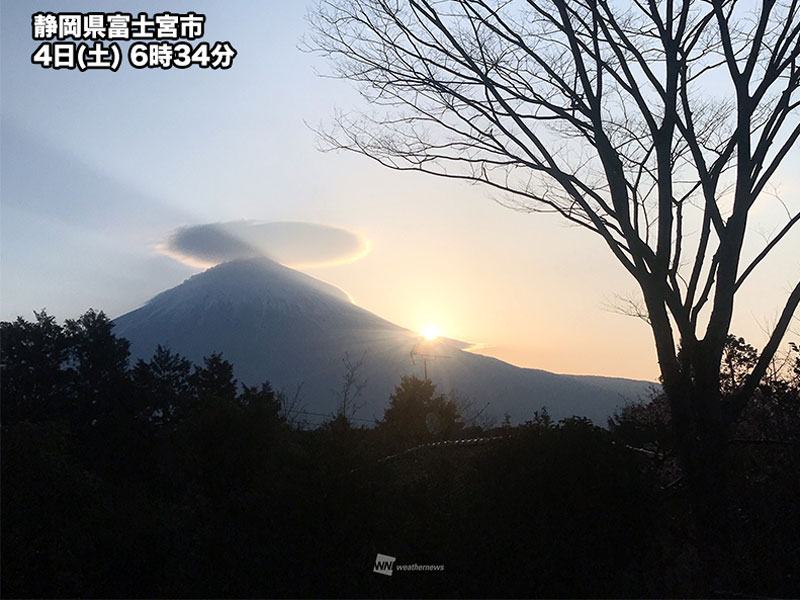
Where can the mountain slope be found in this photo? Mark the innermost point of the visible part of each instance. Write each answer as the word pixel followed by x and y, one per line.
pixel 277 324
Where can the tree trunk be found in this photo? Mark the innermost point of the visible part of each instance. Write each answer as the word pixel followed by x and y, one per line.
pixel 701 434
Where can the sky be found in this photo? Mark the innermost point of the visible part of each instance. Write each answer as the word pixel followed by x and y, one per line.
pixel 101 169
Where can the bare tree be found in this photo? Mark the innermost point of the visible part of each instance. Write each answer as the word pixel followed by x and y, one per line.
pixel 655 124
pixel 292 408
pixel 472 415
pixel 349 396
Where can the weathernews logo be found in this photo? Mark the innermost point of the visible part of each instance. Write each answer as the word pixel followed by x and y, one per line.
pixel 385 565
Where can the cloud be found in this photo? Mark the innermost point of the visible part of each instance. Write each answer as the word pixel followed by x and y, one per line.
pixel 292 243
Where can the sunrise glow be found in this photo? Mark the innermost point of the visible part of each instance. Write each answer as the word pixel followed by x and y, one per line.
pixel 431 332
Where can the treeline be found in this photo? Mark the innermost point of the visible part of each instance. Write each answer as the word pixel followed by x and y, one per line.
pixel 168 479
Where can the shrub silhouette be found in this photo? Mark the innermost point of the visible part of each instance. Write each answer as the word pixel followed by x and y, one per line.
pixel 173 480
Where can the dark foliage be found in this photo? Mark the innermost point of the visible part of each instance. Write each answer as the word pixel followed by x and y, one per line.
pixel 172 480
pixel 417 414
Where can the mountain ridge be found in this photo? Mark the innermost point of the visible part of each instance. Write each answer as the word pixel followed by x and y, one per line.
pixel 277 324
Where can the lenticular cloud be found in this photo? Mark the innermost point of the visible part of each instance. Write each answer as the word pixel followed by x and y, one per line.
pixel 295 244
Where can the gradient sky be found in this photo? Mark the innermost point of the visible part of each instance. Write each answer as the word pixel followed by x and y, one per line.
pixel 99 168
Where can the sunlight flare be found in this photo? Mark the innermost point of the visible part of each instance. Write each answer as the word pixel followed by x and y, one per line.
pixel 431 332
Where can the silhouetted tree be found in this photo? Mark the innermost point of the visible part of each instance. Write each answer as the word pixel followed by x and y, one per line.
pixel 215 378
pixel 262 402
pixel 49 372
pixel 645 425
pixel 349 396
pixel 164 385
pixel 476 418
pixel 32 379
pixel 738 359
pixel 98 363
pixel 229 500
pixel 639 122
pixel 417 414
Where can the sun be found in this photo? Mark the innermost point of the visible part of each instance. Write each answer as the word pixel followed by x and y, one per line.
pixel 431 332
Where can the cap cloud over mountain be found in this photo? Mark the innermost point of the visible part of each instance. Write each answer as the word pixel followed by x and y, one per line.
pixel 277 324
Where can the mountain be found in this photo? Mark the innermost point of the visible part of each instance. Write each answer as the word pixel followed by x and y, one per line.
pixel 277 324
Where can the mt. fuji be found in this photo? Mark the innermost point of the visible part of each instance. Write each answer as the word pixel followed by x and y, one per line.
pixel 277 324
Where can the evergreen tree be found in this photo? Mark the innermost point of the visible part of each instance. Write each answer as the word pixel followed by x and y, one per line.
pixel 98 364
pixel 417 414
pixel 164 386
pixel 31 377
pixel 215 378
